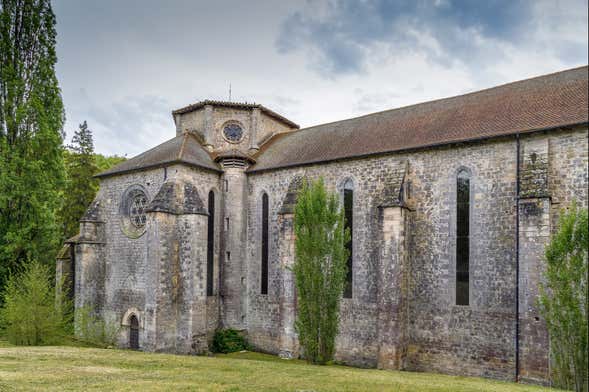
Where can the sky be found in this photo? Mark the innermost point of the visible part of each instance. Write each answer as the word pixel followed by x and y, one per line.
pixel 124 65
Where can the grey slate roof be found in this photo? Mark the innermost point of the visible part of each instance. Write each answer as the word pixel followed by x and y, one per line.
pixel 184 148
pixel 544 102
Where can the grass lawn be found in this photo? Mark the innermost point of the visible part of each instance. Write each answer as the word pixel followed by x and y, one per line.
pixel 67 368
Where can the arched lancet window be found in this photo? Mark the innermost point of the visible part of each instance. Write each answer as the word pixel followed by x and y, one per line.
pixel 462 236
pixel 264 285
pixel 133 332
pixel 211 243
pixel 349 224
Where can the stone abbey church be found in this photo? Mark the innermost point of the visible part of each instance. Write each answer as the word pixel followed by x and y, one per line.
pixel 450 204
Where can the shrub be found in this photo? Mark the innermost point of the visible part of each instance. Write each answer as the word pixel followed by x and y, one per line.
pixel 320 269
pixel 563 299
pixel 31 315
pixel 94 330
pixel 228 341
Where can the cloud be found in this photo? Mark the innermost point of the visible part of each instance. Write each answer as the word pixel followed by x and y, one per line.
pixel 344 36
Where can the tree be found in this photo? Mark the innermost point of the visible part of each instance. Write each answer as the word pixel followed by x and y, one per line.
pixel 319 269
pixel 31 123
pixel 563 299
pixel 106 162
pixel 30 314
pixel 81 186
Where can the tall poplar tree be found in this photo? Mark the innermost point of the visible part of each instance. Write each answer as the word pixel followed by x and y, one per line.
pixel 319 269
pixel 31 134
pixel 81 186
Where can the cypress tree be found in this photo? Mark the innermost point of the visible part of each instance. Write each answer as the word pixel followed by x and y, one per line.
pixel 319 269
pixel 81 186
pixel 31 134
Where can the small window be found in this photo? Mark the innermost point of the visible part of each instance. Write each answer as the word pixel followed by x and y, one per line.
pixel 349 224
pixel 211 243
pixel 264 285
pixel 462 237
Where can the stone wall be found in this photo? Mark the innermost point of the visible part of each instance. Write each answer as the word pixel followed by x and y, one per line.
pixel 127 270
pixel 478 339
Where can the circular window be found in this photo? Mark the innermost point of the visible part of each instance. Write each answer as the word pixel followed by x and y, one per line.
pixel 137 212
pixel 233 132
pixel 132 211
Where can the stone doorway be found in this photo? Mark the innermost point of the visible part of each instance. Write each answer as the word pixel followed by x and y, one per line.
pixel 133 333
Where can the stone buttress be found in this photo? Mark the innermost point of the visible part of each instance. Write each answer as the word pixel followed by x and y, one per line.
pixel 534 204
pixel 175 306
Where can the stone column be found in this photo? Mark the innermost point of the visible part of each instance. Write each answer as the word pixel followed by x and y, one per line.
pixel 233 290
pixel 289 345
pixel 392 289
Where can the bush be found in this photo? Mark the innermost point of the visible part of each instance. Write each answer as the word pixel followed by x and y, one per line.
pixel 320 269
pixel 563 300
pixel 229 341
pixel 31 315
pixel 92 329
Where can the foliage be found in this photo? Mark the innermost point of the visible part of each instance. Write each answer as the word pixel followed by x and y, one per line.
pixel 31 122
pixel 30 314
pixel 563 299
pixel 228 341
pixel 81 164
pixel 95 330
pixel 104 162
pixel 81 186
pixel 320 269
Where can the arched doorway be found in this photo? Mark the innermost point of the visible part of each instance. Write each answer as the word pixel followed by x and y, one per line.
pixel 133 333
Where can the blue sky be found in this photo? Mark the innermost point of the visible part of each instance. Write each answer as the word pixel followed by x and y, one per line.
pixel 124 65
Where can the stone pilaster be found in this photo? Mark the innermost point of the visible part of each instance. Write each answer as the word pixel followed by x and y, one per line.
pixel 534 234
pixel 392 288
pixel 89 273
pixel 255 120
pixel 289 346
pixel 209 131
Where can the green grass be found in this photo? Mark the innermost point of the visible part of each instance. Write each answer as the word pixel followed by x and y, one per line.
pixel 66 368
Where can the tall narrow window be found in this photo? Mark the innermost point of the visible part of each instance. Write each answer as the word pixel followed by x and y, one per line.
pixel 211 243
pixel 349 224
pixel 462 237
pixel 264 286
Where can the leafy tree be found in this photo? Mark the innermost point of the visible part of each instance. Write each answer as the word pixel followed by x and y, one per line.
pixel 563 299
pixel 319 268
pixel 31 122
pixel 103 162
pixel 81 186
pixel 30 314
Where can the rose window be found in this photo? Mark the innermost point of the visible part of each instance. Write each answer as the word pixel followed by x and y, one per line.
pixel 137 210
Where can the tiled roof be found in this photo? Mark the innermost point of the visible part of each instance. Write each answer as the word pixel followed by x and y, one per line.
pixel 184 148
pixel 236 105
pixel 545 102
